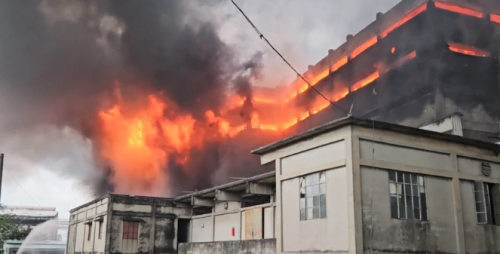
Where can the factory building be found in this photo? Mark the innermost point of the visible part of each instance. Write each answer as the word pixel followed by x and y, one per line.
pixel 126 224
pixel 349 186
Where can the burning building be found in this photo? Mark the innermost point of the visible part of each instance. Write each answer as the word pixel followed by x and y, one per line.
pixel 420 62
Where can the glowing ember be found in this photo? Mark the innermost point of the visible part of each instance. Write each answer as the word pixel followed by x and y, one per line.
pixel 339 64
pixel 264 100
pixel 290 124
pixel 495 18
pixel 405 19
pixel 321 107
pixel 366 81
pixel 467 50
pixel 393 50
pixel 304 115
pixel 366 45
pixel 404 59
pixel 459 9
pixel 340 95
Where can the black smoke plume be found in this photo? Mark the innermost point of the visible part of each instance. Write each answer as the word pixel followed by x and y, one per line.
pixel 61 61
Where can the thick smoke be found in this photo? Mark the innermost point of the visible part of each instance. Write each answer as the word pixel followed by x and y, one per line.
pixel 62 61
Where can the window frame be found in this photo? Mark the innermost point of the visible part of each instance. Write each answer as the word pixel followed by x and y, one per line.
pixel 99 229
pixel 89 233
pixel 312 196
pixel 487 202
pixel 130 230
pixel 400 183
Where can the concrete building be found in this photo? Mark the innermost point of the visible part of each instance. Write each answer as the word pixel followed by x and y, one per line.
pixel 29 216
pixel 361 186
pixel 349 186
pixel 126 224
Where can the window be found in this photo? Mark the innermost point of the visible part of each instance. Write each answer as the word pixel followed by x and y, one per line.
pixel 313 196
pixel 89 227
pixel 99 230
pixel 487 197
pixel 407 196
pixel 130 230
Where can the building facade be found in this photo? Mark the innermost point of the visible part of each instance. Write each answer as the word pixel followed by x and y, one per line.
pixel 359 186
pixel 125 224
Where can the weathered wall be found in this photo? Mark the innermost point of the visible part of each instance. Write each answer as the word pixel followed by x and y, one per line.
pixel 158 221
pixel 79 221
pixel 479 239
pixel 381 233
pixel 267 246
pixel 327 234
pixel 202 229
pixel 225 225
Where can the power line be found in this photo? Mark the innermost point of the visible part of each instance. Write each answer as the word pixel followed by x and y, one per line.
pixel 20 186
pixel 282 58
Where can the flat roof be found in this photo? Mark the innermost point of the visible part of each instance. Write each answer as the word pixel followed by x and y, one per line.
pixel 345 121
pixel 22 211
pixel 230 186
pixel 111 195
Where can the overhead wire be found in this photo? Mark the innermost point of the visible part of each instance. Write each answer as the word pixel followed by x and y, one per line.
pixel 261 36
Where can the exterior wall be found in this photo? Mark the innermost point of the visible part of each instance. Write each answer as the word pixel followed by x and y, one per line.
pixel 202 229
pixel 478 238
pixel 328 234
pixel 330 152
pixel 384 234
pixel 448 169
pixel 79 221
pixel 157 225
pixel 267 246
pixel 218 226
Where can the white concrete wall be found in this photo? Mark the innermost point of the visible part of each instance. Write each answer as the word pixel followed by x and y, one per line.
pixel 202 229
pixel 224 224
pixel 328 234
pixel 269 223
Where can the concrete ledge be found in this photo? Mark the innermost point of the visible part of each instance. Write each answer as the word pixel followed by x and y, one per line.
pixel 264 246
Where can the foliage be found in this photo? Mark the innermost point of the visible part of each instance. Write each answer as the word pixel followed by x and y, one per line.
pixel 10 230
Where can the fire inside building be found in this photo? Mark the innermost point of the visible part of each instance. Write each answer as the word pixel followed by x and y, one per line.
pixel 414 168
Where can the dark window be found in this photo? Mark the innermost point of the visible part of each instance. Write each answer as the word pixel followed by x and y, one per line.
pixel 407 196
pixel 100 230
pixel 89 227
pixel 313 196
pixel 130 230
pixel 487 198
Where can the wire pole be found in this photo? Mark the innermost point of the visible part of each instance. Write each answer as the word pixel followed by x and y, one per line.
pixel 1 174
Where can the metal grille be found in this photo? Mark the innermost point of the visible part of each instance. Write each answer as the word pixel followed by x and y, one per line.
pixel 202 210
pixel 255 200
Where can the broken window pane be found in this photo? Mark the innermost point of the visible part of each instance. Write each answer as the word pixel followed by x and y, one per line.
pixel 392 188
pixel 402 208
pixel 416 213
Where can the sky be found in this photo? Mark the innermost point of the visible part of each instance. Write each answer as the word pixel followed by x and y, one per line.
pixel 36 164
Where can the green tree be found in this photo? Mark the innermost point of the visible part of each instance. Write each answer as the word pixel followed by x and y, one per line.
pixel 10 230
